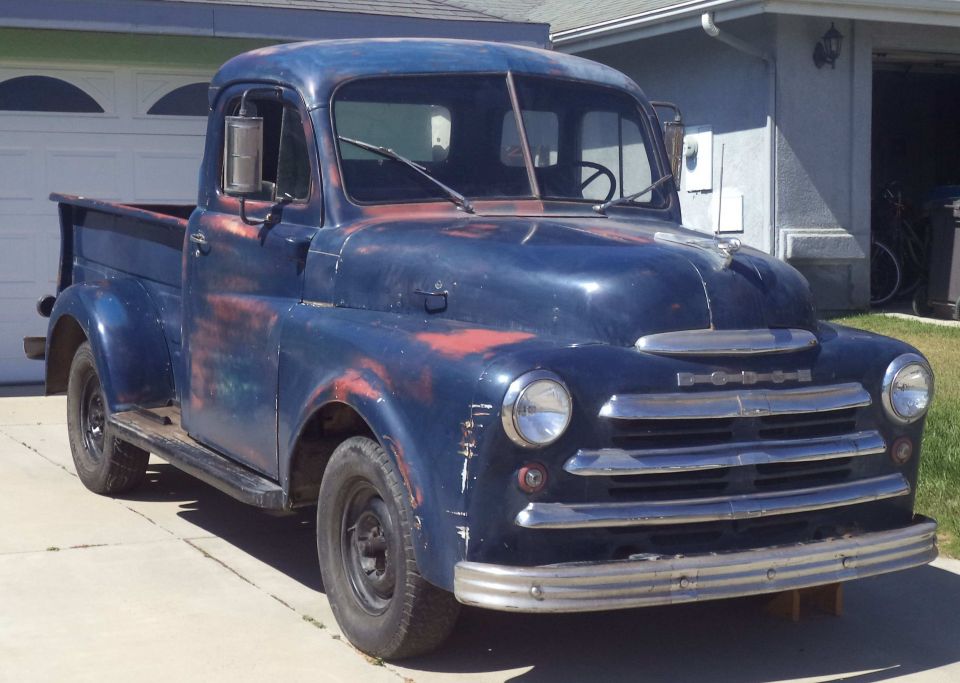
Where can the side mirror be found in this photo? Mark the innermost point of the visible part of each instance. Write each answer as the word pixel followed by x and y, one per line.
pixel 243 153
pixel 673 133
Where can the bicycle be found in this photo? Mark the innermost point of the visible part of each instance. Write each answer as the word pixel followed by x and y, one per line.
pixel 885 273
pixel 898 264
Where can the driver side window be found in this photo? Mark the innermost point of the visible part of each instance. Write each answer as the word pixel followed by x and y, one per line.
pixel 602 134
pixel 286 161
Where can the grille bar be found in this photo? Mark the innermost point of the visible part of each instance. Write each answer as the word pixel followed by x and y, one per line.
pixel 741 403
pixel 689 511
pixel 620 462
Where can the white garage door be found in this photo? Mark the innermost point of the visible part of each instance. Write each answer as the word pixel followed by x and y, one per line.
pixel 118 133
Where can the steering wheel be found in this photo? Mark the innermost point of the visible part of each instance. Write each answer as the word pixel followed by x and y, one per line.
pixel 601 170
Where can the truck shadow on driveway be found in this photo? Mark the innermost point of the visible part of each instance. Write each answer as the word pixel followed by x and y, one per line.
pixel 893 625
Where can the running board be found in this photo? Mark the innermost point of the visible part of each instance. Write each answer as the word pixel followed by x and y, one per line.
pixel 158 431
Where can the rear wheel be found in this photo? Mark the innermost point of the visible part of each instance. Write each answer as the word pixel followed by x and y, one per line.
pixel 370 573
pixel 104 463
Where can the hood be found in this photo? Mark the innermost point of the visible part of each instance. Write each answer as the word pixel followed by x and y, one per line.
pixel 582 279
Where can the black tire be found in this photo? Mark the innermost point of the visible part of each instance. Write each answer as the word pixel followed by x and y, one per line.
pixel 884 274
pixel 364 541
pixel 104 463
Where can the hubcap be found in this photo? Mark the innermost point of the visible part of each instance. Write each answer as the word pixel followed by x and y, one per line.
pixel 93 417
pixel 366 539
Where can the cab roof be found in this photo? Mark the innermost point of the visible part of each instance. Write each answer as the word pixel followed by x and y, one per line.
pixel 315 68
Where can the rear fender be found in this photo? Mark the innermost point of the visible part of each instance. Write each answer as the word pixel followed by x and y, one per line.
pixel 123 326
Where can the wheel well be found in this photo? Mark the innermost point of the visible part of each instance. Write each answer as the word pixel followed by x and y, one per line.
pixel 324 431
pixel 66 338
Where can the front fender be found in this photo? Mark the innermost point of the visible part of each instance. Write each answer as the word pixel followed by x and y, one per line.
pixel 123 326
pixel 413 382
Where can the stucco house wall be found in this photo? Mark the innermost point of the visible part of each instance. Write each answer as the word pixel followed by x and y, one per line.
pixel 806 199
pixel 716 86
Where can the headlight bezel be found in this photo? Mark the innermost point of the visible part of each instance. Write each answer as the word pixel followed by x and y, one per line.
pixel 515 392
pixel 896 366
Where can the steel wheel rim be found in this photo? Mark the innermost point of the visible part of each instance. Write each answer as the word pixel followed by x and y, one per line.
pixel 366 541
pixel 93 417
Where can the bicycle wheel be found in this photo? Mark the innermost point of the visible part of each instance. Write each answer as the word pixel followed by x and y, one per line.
pixel 884 274
pixel 913 267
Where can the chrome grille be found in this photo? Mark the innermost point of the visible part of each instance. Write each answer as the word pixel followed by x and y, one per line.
pixel 719 456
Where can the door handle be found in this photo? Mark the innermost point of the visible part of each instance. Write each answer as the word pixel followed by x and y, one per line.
pixel 200 240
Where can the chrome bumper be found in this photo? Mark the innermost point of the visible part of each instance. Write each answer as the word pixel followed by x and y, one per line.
pixel 595 586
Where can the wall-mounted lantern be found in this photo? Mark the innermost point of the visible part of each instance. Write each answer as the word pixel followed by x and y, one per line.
pixel 827 51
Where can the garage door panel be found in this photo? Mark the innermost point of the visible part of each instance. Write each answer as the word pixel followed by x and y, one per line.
pixel 91 173
pixel 16 173
pixel 123 154
pixel 166 176
pixel 18 263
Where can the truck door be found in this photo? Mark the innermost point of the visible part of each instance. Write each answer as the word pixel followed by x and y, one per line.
pixel 241 280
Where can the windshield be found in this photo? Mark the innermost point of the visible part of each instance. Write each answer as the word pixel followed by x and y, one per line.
pixel 586 143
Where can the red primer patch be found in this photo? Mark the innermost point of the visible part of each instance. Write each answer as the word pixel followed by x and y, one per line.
pixel 461 343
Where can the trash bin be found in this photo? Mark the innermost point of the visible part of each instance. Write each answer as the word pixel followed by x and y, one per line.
pixel 943 281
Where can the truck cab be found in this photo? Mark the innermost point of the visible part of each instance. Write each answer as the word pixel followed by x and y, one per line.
pixel 441 290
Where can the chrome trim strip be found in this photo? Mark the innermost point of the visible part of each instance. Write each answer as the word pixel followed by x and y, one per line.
pixel 715 509
pixel 735 403
pixel 606 462
pixel 592 586
pixel 727 342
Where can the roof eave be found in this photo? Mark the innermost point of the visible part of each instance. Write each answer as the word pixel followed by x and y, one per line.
pixel 930 12
pixel 678 17
pixel 225 20
pixel 686 15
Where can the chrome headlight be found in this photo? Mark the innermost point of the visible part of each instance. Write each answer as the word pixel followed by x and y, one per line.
pixel 907 388
pixel 536 409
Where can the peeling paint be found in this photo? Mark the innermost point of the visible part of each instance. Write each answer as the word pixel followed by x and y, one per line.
pixel 464 533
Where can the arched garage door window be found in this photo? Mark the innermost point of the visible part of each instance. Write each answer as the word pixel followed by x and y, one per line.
pixel 187 100
pixel 45 93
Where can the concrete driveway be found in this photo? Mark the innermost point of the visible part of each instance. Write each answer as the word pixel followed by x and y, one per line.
pixel 180 582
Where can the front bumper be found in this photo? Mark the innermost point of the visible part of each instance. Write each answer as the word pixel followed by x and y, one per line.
pixel 595 586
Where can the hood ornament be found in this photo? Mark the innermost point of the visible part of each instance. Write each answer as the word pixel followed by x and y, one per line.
pixel 724 247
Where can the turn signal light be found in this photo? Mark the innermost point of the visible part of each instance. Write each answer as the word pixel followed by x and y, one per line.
pixel 532 477
pixel 901 451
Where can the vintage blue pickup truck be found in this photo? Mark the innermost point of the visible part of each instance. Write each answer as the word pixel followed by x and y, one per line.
pixel 440 290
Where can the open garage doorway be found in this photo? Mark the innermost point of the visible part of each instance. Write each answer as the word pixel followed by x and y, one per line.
pixel 915 175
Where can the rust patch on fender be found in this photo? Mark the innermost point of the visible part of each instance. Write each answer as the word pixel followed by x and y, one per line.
pixel 422 388
pixel 462 343
pixel 377 369
pixel 353 383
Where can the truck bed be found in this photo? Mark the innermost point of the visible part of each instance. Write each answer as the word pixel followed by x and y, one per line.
pixel 104 240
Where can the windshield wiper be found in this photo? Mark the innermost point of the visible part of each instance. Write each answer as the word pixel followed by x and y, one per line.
pixel 602 208
pixel 451 194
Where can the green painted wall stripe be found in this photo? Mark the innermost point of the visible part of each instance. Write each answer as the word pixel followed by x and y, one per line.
pixel 171 51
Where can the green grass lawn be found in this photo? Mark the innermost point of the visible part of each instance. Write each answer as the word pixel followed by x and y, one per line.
pixel 938 494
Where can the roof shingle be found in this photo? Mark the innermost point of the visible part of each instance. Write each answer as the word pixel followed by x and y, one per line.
pixel 420 9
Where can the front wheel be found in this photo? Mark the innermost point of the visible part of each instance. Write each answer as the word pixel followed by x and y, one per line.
pixel 370 573
pixel 104 463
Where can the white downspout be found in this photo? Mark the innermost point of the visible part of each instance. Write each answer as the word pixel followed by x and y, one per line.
pixel 770 194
